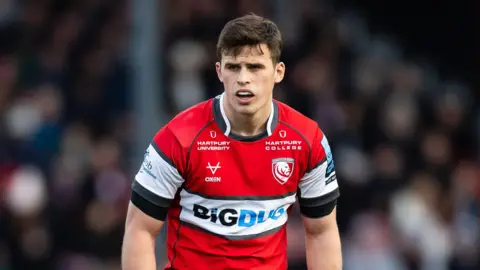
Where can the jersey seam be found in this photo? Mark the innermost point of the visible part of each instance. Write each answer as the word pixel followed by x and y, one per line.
pixel 318 164
pixel 187 159
pixel 241 198
pixel 178 238
pixel 304 138
pixel 179 225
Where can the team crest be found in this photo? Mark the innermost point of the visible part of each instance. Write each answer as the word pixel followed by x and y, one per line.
pixel 282 169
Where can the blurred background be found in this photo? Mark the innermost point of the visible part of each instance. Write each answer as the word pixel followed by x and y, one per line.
pixel 84 85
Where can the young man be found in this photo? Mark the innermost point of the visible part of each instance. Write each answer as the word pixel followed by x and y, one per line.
pixel 226 171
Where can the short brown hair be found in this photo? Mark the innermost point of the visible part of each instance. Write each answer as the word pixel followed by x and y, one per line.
pixel 250 30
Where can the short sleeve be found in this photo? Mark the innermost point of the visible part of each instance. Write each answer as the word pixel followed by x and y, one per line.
pixel 318 188
pixel 159 177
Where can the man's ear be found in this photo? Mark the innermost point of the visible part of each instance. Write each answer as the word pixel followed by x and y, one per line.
pixel 218 68
pixel 279 72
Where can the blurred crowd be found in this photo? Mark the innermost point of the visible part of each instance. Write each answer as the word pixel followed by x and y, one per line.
pixel 404 138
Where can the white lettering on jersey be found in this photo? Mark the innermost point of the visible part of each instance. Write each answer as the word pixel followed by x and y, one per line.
pixel 283 145
pixel 214 179
pixel 213 145
pixel 234 217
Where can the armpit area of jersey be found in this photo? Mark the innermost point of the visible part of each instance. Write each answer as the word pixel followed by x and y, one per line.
pixel 319 207
pixel 149 203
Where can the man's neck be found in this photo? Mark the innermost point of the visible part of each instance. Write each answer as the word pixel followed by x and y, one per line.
pixel 248 125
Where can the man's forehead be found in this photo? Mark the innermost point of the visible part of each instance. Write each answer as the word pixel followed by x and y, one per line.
pixel 248 54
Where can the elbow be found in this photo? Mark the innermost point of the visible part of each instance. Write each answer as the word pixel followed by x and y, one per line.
pixel 320 230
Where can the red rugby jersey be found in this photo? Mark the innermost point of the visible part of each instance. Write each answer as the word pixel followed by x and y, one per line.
pixel 227 197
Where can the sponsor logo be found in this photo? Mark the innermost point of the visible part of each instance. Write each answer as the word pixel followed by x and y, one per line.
pixel 213 179
pixel 282 169
pixel 331 179
pixel 213 145
pixel 241 217
pixel 147 165
pixel 283 133
pixel 329 156
pixel 283 145
pixel 213 170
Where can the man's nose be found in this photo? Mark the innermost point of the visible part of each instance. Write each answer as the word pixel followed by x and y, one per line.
pixel 243 77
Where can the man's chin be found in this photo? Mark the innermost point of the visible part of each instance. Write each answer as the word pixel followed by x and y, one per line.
pixel 246 110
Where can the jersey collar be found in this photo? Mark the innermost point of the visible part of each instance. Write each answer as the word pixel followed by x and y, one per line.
pixel 223 123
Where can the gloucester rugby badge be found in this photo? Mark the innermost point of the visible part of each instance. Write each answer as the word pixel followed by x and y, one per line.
pixel 282 169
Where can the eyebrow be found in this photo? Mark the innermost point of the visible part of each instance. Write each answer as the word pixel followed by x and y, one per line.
pixel 249 65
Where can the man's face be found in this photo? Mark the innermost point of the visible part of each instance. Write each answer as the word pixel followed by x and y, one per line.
pixel 249 78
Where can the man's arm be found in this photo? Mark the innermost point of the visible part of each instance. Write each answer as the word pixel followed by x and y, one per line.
pixel 323 243
pixel 153 191
pixel 141 231
pixel 318 194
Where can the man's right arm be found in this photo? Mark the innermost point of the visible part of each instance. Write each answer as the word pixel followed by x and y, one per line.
pixel 153 190
pixel 141 230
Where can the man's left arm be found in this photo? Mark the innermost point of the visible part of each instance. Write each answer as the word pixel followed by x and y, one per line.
pixel 318 194
pixel 323 243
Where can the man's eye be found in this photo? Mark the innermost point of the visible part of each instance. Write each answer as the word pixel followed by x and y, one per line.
pixel 254 67
pixel 233 67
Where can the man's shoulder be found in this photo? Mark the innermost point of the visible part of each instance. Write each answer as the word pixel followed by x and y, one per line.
pixel 188 123
pixel 297 121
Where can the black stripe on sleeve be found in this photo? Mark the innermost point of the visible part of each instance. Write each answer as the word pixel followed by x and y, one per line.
pixel 151 204
pixel 318 211
pixel 150 196
pixel 321 200
pixel 317 165
pixel 161 154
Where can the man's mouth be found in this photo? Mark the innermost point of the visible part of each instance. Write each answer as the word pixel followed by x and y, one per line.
pixel 244 94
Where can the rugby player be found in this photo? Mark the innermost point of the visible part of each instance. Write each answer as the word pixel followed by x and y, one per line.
pixel 224 173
